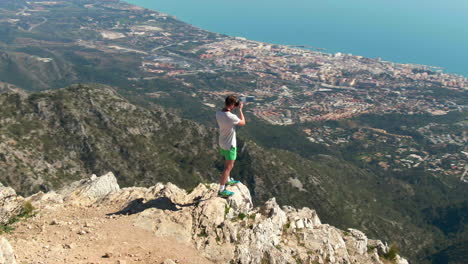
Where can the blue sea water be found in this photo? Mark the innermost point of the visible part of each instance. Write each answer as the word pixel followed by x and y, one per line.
pixel 431 32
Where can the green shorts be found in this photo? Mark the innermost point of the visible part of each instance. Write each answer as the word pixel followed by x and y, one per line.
pixel 229 154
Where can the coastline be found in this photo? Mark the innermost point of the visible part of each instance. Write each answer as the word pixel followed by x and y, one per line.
pixel 387 55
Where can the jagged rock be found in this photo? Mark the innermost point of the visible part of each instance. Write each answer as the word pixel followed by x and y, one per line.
pixel 7 256
pixel 173 193
pixel 375 258
pixel 231 229
pixel 241 201
pixel 210 212
pixel 94 187
pixel 303 218
pixel 325 241
pixel 10 204
pixel 83 192
pixel 400 260
pixel 382 249
pixel 208 217
pixel 226 230
pixel 49 199
pixel 356 242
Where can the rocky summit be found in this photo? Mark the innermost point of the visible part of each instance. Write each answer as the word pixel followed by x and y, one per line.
pixel 95 221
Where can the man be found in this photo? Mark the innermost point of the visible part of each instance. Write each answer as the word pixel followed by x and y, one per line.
pixel 227 140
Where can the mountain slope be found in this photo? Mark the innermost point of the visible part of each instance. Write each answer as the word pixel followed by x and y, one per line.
pixel 52 138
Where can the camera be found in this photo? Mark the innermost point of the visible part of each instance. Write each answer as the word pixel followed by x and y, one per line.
pixel 244 99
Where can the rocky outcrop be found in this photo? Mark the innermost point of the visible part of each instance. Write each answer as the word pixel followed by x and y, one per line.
pixel 10 204
pixel 7 255
pixel 83 192
pixel 92 188
pixel 226 230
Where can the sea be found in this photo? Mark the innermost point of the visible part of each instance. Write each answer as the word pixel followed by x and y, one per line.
pixel 429 32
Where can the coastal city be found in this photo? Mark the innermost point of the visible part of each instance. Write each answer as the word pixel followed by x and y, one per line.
pixel 332 86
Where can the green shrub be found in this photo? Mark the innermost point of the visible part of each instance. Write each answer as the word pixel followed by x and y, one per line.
pixel 392 252
pixel 27 211
pixel 6 228
pixel 241 216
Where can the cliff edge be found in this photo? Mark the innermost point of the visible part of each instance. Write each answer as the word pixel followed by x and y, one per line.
pixel 95 221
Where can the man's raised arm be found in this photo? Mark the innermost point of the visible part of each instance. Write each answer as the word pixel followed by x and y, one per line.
pixel 241 115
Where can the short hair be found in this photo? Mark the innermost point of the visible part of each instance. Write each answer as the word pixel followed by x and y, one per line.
pixel 230 100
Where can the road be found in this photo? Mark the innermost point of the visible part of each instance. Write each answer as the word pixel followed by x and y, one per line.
pixel 38 24
pixel 170 45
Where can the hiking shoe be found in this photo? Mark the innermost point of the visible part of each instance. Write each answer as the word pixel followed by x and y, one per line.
pixel 225 193
pixel 232 182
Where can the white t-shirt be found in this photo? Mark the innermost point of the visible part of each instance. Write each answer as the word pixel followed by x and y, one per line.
pixel 227 133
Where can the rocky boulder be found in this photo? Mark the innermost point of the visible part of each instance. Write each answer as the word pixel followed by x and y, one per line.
pixel 227 230
pixel 92 188
pixel 232 229
pixel 7 256
pixel 10 204
pixel 83 192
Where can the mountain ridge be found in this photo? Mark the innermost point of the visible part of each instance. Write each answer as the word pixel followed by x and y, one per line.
pixel 52 138
pixel 221 230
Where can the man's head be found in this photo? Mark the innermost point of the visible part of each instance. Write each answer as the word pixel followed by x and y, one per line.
pixel 231 102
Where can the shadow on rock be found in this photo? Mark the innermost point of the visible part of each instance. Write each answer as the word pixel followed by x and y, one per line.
pixel 162 203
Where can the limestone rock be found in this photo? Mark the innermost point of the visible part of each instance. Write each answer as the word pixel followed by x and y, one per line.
pixel 10 204
pixel 226 230
pixel 92 188
pixel 45 200
pixel 232 229
pixel 174 193
pixel 262 240
pixel 356 242
pixel 303 218
pixel 400 260
pixel 241 201
pixel 7 256
pixel 382 249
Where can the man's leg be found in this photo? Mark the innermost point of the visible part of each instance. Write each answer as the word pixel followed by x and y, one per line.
pixel 230 158
pixel 228 165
